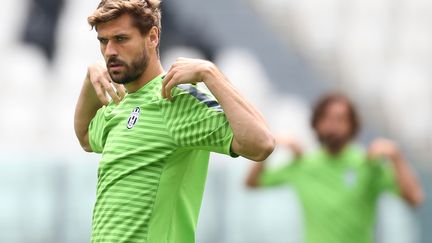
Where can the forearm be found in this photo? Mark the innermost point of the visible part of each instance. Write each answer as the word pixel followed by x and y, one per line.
pixel 252 138
pixel 86 108
pixel 408 184
pixel 252 180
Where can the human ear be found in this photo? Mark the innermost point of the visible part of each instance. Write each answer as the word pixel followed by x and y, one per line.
pixel 154 36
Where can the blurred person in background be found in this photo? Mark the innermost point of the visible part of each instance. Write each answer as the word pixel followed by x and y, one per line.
pixel 339 184
pixel 156 133
pixel 41 25
pixel 181 31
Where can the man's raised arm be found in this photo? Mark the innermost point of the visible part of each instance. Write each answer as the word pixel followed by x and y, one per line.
pixel 252 138
pixel 97 84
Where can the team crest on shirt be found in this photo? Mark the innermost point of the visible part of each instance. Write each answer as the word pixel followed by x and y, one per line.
pixel 350 178
pixel 133 118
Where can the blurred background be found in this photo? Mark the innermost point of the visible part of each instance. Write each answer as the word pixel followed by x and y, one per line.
pixel 281 54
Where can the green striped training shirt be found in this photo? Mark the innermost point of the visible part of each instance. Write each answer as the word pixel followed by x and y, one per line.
pixel 339 193
pixel 154 163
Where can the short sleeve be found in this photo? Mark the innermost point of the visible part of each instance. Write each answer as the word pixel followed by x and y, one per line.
pixel 195 120
pixel 387 178
pixel 96 131
pixel 279 176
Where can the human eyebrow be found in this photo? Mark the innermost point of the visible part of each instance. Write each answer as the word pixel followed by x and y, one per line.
pixel 124 35
pixel 102 39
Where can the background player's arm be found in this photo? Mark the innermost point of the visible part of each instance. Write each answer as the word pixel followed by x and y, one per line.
pixel 257 169
pixel 409 187
pixel 252 179
pixel 252 138
pixel 97 84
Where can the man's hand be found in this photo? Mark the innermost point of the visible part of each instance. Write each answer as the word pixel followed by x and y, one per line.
pixel 101 81
pixel 184 70
pixel 96 86
pixel 383 148
pixel 252 138
pixel 291 144
pixel 409 186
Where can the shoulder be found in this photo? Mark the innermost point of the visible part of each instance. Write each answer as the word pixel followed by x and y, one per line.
pixel 193 95
pixel 314 156
pixel 106 110
pixel 358 156
pixel 357 151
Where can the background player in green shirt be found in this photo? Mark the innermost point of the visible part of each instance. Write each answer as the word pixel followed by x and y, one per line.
pixel 339 184
pixel 156 134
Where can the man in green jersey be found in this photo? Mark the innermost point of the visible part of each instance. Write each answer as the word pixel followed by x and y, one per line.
pixel 156 134
pixel 339 184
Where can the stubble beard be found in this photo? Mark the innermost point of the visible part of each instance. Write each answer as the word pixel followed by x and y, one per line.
pixel 333 143
pixel 131 72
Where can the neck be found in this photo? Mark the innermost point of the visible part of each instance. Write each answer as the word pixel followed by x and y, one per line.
pixel 334 151
pixel 153 70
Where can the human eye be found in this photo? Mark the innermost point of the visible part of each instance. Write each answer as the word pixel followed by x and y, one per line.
pixel 103 41
pixel 121 38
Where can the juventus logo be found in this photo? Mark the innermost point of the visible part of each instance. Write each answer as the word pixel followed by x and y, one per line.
pixel 350 178
pixel 133 119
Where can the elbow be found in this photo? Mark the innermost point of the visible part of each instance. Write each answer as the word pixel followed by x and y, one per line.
pixel 252 184
pixel 256 149
pixel 252 181
pixel 86 148
pixel 413 197
pixel 416 200
pixel 84 142
pixel 265 148
pixel 85 145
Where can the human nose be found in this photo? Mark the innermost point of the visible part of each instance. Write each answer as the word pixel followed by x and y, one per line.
pixel 110 49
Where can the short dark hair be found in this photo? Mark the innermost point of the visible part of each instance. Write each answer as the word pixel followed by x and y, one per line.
pixel 322 104
pixel 145 13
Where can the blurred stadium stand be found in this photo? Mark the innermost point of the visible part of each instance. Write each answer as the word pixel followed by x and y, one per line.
pixel 280 53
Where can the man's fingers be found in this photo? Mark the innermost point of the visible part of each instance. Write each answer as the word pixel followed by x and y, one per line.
pixel 165 81
pixel 100 94
pixel 107 77
pixel 103 84
pixel 371 152
pixel 374 153
pixel 119 88
pixel 111 92
pixel 169 86
pixel 182 59
pixel 121 91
